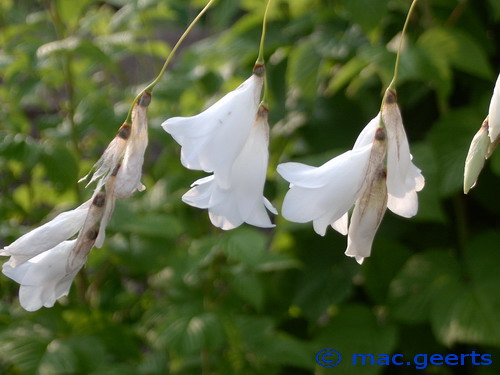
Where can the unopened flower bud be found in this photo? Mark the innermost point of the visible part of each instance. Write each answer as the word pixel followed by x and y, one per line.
pixel 494 113
pixel 475 158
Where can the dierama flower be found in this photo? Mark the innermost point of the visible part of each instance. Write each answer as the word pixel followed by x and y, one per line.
pixel 376 174
pixel 476 157
pixel 128 177
pixel 119 169
pixel 484 142
pixel 494 113
pixel 229 139
pixel 243 200
pixel 124 156
pixel 213 139
pixel 45 274
pixel 47 236
pixel 45 260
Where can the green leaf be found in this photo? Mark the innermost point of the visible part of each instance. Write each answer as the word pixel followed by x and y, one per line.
pixel 257 335
pixel 386 260
pixel 472 315
pixel 303 69
pixel 246 246
pixel 459 49
pixel 495 5
pixel 59 359
pixel 422 281
pixel 23 348
pixel 152 225
pixel 189 334
pixel 356 330
pixel 325 281
pixel 366 13
pixel 430 207
pixel 70 12
pixel 60 166
pixel 450 139
pixel 248 286
pixel 345 74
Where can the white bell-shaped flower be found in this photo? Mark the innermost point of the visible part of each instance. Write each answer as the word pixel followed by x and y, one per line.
pixel 325 194
pixel 45 261
pixel 404 179
pixel 494 113
pixel 239 198
pixel 45 237
pixel 212 140
pixel 375 175
pixel 484 142
pixel 44 278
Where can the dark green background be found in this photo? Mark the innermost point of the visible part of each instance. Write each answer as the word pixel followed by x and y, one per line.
pixel 170 294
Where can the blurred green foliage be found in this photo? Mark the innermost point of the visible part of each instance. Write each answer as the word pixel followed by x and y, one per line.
pixel 168 293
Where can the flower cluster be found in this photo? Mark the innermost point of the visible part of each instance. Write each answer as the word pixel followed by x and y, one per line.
pixel 46 260
pixel 484 142
pixel 375 175
pixel 230 140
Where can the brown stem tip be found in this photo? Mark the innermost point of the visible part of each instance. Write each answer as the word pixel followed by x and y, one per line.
pixel 145 99
pixel 124 131
pixel 259 70
pixel 391 97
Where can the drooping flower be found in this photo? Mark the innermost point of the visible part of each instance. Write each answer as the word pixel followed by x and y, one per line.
pixel 47 236
pixel 243 201
pixel 43 278
pixel 124 156
pixel 404 179
pixel 119 170
pixel 375 175
pixel 494 114
pixel 213 139
pixel 484 142
pixel 229 139
pixel 476 157
pixel 45 261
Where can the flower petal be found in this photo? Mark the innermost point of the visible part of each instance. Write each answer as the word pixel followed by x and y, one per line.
pixel 45 237
pixel 243 201
pixel 403 177
pixel 109 207
pixel 366 218
pixel 43 278
pixel 212 140
pixel 494 113
pixel 476 157
pixel 128 177
pixel 368 133
pixel 88 234
pixel 326 193
pixel 110 158
pixel 341 225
